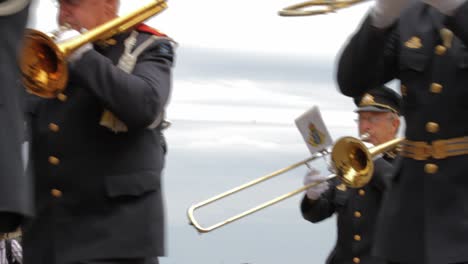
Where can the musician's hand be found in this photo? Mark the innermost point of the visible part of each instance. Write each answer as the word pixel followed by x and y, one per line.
pixel 446 7
pixel 77 54
pixel 313 193
pixel 386 12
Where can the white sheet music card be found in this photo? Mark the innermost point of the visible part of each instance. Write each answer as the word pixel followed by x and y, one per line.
pixel 313 130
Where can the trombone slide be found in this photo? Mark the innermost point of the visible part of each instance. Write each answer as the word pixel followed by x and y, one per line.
pixel 351 160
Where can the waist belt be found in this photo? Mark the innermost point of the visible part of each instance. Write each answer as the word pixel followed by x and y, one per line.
pixel 437 149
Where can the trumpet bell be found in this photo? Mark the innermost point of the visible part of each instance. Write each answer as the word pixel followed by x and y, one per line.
pixel 352 162
pixel 43 66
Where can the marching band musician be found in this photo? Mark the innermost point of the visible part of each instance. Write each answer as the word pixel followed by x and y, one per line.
pixel 97 148
pixel 15 185
pixel 357 209
pixel 423 44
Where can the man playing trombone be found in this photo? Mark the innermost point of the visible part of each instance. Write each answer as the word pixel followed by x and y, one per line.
pixel 357 209
pixel 423 44
pixel 97 146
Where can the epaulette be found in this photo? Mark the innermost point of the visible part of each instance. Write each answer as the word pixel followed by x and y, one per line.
pixel 145 28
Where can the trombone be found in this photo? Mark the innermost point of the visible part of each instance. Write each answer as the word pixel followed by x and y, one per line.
pixel 317 7
pixel 44 63
pixel 351 160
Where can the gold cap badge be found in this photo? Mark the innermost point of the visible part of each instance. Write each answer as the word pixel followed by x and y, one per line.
pixel 413 43
pixel 367 99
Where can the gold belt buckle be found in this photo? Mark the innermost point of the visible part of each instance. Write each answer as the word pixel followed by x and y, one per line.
pixel 439 149
pixel 421 150
pixel 426 150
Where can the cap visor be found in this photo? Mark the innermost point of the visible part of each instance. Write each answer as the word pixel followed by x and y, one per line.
pixel 372 109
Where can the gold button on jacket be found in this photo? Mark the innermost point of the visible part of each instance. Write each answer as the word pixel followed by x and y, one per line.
pixel 62 97
pixel 56 193
pixel 432 127
pixel 440 50
pixel 54 160
pixel 54 127
pixel 431 168
pixel 436 88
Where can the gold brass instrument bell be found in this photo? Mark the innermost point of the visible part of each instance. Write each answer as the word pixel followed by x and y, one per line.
pixel 317 7
pixel 351 161
pixel 43 62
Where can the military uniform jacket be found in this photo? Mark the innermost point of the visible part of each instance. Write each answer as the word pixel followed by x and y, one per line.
pixel 424 219
pixel 356 211
pixel 99 192
pixel 15 186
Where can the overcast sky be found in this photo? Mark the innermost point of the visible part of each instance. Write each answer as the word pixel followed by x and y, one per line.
pixel 242 75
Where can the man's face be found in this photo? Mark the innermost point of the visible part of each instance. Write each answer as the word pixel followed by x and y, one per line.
pixel 381 127
pixel 86 14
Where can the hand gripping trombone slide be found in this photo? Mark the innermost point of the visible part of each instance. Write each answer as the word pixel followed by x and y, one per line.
pixel 351 160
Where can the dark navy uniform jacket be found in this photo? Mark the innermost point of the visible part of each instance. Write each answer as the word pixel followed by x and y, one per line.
pixel 425 218
pixel 15 186
pixel 98 193
pixel 356 210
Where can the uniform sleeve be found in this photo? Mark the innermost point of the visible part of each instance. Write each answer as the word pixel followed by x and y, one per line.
pixel 320 209
pixel 458 23
pixel 136 98
pixel 368 59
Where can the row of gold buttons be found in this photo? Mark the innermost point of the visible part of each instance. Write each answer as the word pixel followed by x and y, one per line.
pixel 433 127
pixel 358 214
pixel 52 159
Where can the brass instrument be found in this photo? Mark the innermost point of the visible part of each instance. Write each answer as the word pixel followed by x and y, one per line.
pixel 352 162
pixel 44 63
pixel 317 7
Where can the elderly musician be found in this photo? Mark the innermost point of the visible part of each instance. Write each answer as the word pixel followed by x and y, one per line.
pixel 357 209
pixel 424 44
pixel 97 148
